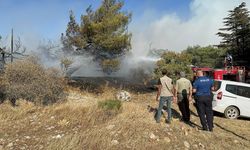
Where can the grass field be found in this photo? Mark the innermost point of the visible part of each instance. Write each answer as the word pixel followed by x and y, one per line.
pixel 79 124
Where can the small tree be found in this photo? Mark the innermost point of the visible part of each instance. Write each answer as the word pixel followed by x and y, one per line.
pixel 65 64
pixel 72 33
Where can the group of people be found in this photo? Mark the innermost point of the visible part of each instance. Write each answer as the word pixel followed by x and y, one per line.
pixel 182 93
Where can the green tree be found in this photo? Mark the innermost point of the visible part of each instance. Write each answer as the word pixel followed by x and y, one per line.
pixel 174 62
pixel 236 33
pixel 73 37
pixel 208 56
pixel 102 33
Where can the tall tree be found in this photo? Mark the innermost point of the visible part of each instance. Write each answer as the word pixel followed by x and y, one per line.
pixel 103 33
pixel 236 33
pixel 110 28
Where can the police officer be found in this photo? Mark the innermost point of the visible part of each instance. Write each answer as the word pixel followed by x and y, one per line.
pixel 202 87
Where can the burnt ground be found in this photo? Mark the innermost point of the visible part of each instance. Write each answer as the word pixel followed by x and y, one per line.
pixel 96 84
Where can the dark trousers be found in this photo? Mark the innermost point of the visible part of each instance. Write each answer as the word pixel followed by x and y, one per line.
pixel 205 111
pixel 183 104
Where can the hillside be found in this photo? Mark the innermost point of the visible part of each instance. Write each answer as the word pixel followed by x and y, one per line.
pixel 79 124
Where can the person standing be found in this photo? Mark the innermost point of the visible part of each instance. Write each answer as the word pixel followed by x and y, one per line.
pixel 184 96
pixel 165 92
pixel 202 87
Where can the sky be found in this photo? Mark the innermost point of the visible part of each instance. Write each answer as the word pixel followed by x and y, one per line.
pixel 165 24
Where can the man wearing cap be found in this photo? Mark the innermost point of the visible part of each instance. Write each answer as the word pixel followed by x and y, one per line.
pixel 165 92
pixel 202 87
pixel 184 95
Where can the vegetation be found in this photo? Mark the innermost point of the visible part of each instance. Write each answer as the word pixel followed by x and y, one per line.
pixel 174 62
pixel 110 105
pixel 77 124
pixel 65 64
pixel 236 34
pixel 95 121
pixel 110 65
pixel 102 33
pixel 29 80
pixel 208 56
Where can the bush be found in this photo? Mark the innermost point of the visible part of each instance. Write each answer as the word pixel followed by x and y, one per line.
pixel 110 105
pixel 29 80
pixel 110 65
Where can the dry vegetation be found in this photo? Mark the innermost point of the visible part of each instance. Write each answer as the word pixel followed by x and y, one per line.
pixel 79 123
pixel 92 119
pixel 29 80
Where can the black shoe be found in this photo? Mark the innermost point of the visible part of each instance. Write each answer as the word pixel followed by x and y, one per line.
pixel 189 123
pixel 204 129
pixel 168 122
pixel 207 130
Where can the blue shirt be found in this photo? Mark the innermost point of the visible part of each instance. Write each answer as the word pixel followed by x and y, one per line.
pixel 203 86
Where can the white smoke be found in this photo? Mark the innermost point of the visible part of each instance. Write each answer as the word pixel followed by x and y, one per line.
pixel 172 32
pixel 85 66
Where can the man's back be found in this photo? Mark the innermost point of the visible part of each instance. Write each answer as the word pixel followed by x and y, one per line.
pixel 183 84
pixel 203 85
pixel 167 86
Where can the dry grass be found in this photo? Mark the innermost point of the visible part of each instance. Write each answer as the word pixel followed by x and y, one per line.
pixel 79 124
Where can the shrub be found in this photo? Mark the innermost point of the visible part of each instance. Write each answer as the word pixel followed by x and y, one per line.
pixel 110 105
pixel 110 65
pixel 29 80
pixel 173 63
pixel 65 64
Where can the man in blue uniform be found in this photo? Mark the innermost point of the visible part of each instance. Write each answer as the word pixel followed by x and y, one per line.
pixel 202 87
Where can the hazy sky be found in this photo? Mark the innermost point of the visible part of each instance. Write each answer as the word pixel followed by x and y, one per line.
pixel 168 24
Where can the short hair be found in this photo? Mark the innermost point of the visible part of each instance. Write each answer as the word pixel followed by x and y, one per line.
pixel 199 70
pixel 182 74
pixel 164 72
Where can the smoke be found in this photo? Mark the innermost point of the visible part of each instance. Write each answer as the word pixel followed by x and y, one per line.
pixel 51 54
pixel 137 66
pixel 84 66
pixel 172 32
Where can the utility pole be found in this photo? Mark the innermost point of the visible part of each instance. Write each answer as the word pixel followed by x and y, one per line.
pixel 11 57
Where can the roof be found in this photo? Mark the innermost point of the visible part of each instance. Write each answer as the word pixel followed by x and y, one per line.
pixel 202 68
